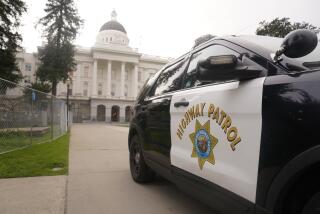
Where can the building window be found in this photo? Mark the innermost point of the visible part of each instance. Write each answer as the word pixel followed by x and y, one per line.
pixel 85 92
pixel 100 89
pixel 86 71
pixel 100 73
pixel 27 67
pixel 126 90
pixel 113 89
pixel 107 39
pixel 126 75
pixel 110 39
pixel 139 76
pixel 85 88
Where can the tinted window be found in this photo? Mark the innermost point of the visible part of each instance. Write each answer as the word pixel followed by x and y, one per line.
pixel 147 85
pixel 170 79
pixel 214 50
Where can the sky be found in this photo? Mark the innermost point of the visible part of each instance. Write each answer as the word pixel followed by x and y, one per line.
pixel 168 28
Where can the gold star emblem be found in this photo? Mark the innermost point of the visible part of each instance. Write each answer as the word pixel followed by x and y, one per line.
pixel 203 143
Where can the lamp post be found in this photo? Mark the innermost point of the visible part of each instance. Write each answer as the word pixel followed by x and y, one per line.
pixel 68 91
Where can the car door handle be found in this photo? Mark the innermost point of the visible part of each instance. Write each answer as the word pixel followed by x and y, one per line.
pixel 181 103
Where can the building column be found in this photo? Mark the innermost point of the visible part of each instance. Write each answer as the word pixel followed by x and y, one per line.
pixel 74 84
pixel 122 113
pixel 109 79
pixel 108 113
pixel 94 79
pixel 78 82
pixel 135 81
pixel 123 68
pixel 93 112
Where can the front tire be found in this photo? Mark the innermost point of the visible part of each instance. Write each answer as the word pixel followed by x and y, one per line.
pixel 140 172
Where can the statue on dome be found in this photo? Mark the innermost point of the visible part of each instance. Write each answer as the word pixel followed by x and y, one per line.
pixel 114 15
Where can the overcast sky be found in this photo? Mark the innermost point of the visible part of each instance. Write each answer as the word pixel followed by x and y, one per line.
pixel 168 27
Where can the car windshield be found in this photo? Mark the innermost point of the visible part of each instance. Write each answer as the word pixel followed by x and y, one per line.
pixel 273 43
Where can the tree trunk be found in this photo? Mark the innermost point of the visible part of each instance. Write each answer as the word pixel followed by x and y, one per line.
pixel 54 88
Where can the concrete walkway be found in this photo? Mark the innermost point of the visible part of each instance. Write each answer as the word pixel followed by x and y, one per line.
pixel 33 195
pixel 99 180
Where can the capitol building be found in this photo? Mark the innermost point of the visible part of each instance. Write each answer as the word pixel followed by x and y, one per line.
pixel 107 78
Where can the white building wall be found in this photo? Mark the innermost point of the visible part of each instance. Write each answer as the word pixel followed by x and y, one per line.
pixel 103 52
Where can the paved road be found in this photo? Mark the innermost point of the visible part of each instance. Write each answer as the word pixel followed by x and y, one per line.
pixel 99 180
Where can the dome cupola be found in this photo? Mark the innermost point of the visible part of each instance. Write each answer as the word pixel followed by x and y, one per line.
pixel 112 33
pixel 113 24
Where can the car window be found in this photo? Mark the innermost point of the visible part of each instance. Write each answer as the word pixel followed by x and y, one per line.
pixel 147 85
pixel 214 50
pixel 170 79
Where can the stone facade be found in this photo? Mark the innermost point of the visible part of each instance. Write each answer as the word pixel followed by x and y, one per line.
pixel 107 78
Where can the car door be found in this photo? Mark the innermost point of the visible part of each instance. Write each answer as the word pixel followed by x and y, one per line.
pixel 157 106
pixel 216 128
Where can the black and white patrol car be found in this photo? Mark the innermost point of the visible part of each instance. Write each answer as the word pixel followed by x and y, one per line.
pixel 235 122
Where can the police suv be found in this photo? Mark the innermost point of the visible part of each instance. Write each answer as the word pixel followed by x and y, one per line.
pixel 235 123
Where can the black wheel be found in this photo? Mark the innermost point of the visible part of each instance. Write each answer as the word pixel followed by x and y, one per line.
pixel 303 197
pixel 306 203
pixel 313 205
pixel 140 172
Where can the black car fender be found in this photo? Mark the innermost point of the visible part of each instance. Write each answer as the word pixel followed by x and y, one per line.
pixel 291 173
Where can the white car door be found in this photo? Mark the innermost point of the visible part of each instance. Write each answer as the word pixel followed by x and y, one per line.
pixel 216 129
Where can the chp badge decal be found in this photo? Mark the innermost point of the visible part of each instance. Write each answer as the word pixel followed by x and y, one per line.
pixel 203 143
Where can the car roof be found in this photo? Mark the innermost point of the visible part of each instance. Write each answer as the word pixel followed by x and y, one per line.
pixel 262 45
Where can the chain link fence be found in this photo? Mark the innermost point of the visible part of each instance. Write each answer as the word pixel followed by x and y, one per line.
pixel 28 116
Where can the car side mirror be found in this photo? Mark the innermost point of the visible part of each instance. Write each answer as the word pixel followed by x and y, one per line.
pixel 225 67
pixel 297 44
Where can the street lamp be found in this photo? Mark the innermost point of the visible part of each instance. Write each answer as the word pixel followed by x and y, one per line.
pixel 68 91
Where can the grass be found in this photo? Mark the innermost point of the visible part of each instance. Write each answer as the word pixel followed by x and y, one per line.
pixel 14 140
pixel 37 160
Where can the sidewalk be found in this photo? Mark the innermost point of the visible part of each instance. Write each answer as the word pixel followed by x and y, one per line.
pixel 99 182
pixel 99 179
pixel 33 195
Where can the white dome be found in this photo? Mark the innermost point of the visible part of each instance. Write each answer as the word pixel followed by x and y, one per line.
pixel 107 37
pixel 112 33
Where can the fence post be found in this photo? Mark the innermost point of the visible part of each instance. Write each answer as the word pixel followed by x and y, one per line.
pixel 31 129
pixel 51 117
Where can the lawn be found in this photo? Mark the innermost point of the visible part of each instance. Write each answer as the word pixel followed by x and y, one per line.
pixel 37 160
pixel 15 140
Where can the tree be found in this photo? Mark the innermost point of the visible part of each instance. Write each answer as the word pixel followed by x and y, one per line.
pixel 281 27
pixel 61 24
pixel 38 86
pixel 41 86
pixel 10 13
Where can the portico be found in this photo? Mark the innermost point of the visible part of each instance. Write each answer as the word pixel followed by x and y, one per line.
pixel 117 79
